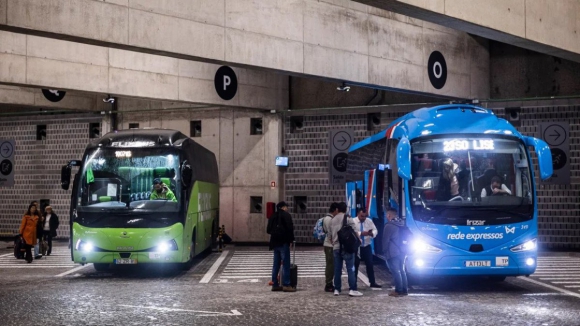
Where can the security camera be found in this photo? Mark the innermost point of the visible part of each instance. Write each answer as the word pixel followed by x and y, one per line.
pixel 109 99
pixel 343 88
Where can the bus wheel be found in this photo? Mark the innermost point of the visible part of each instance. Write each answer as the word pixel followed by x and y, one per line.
pixel 100 267
pixel 189 263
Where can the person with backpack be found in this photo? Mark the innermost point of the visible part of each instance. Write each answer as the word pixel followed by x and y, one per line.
pixel 281 231
pixel 328 247
pixel 395 254
pixel 345 242
pixel 367 232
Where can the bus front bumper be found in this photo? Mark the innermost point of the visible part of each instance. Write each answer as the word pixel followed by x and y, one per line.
pixel 127 258
pixel 490 265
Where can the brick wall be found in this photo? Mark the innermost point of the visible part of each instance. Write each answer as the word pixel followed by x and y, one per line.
pixel 38 163
pixel 307 175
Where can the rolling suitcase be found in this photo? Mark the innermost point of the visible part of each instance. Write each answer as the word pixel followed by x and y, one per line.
pixel 293 269
pixel 19 249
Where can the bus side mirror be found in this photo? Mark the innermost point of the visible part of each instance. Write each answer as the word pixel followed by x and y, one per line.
pixel 544 156
pixel 186 174
pixel 404 159
pixel 65 173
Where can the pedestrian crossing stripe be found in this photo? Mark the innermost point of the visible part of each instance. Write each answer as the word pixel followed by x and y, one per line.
pixel 59 258
pixel 559 272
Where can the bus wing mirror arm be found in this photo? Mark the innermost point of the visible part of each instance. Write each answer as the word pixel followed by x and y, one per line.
pixel 404 159
pixel 186 174
pixel 65 173
pixel 544 156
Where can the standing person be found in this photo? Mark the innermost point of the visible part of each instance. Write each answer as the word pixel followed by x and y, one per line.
pixel 340 255
pixel 50 225
pixel 367 231
pixel 28 230
pixel 448 185
pixel 395 258
pixel 328 247
pixel 38 230
pixel 281 231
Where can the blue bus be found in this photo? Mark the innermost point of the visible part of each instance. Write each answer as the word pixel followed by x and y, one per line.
pixel 462 180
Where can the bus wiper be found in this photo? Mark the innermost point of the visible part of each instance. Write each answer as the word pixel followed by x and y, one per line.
pixel 423 203
pixel 504 211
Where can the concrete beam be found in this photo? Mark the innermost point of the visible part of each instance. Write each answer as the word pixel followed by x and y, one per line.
pixel 337 40
pixel 31 97
pixel 550 27
pixel 32 61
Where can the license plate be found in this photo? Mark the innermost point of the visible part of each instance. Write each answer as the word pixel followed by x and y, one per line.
pixel 502 261
pixel 125 261
pixel 478 263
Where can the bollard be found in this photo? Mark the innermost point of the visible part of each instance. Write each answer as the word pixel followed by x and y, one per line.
pixel 222 230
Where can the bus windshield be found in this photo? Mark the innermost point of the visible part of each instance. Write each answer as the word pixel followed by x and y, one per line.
pixel 470 181
pixel 140 179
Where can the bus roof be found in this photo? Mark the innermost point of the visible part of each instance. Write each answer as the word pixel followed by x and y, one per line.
pixel 443 119
pixel 139 138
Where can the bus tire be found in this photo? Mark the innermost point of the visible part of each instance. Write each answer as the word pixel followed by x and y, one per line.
pixel 189 263
pixel 101 267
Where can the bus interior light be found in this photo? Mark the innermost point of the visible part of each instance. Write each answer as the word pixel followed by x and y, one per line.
pixel 422 246
pixel 526 246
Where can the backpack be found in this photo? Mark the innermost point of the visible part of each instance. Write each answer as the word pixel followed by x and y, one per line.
pixel 319 233
pixel 405 240
pixel 277 229
pixel 349 241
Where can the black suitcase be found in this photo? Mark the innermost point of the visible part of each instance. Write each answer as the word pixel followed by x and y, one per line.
pixel 293 269
pixel 19 249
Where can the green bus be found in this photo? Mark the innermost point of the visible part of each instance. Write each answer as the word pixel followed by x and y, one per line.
pixel 117 215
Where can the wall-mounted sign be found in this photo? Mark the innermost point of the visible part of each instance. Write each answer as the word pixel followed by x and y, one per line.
pixel 53 95
pixel 437 69
pixel 340 141
pixel 557 135
pixel 226 83
pixel 7 162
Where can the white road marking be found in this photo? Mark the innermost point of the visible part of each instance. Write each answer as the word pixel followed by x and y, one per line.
pixel 6 255
pixel 209 313
pixel 72 270
pixel 527 279
pixel 207 277
pixel 363 278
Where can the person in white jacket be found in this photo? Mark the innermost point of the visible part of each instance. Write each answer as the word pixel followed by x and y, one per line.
pixel 367 231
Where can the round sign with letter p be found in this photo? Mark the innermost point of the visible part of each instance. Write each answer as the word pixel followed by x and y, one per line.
pixel 226 83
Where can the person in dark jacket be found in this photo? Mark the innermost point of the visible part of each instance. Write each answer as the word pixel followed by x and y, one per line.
pixel 395 258
pixel 281 231
pixel 50 224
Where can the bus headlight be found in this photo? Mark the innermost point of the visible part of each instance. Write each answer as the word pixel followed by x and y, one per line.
pixel 530 261
pixel 526 246
pixel 166 246
pixel 85 246
pixel 422 246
